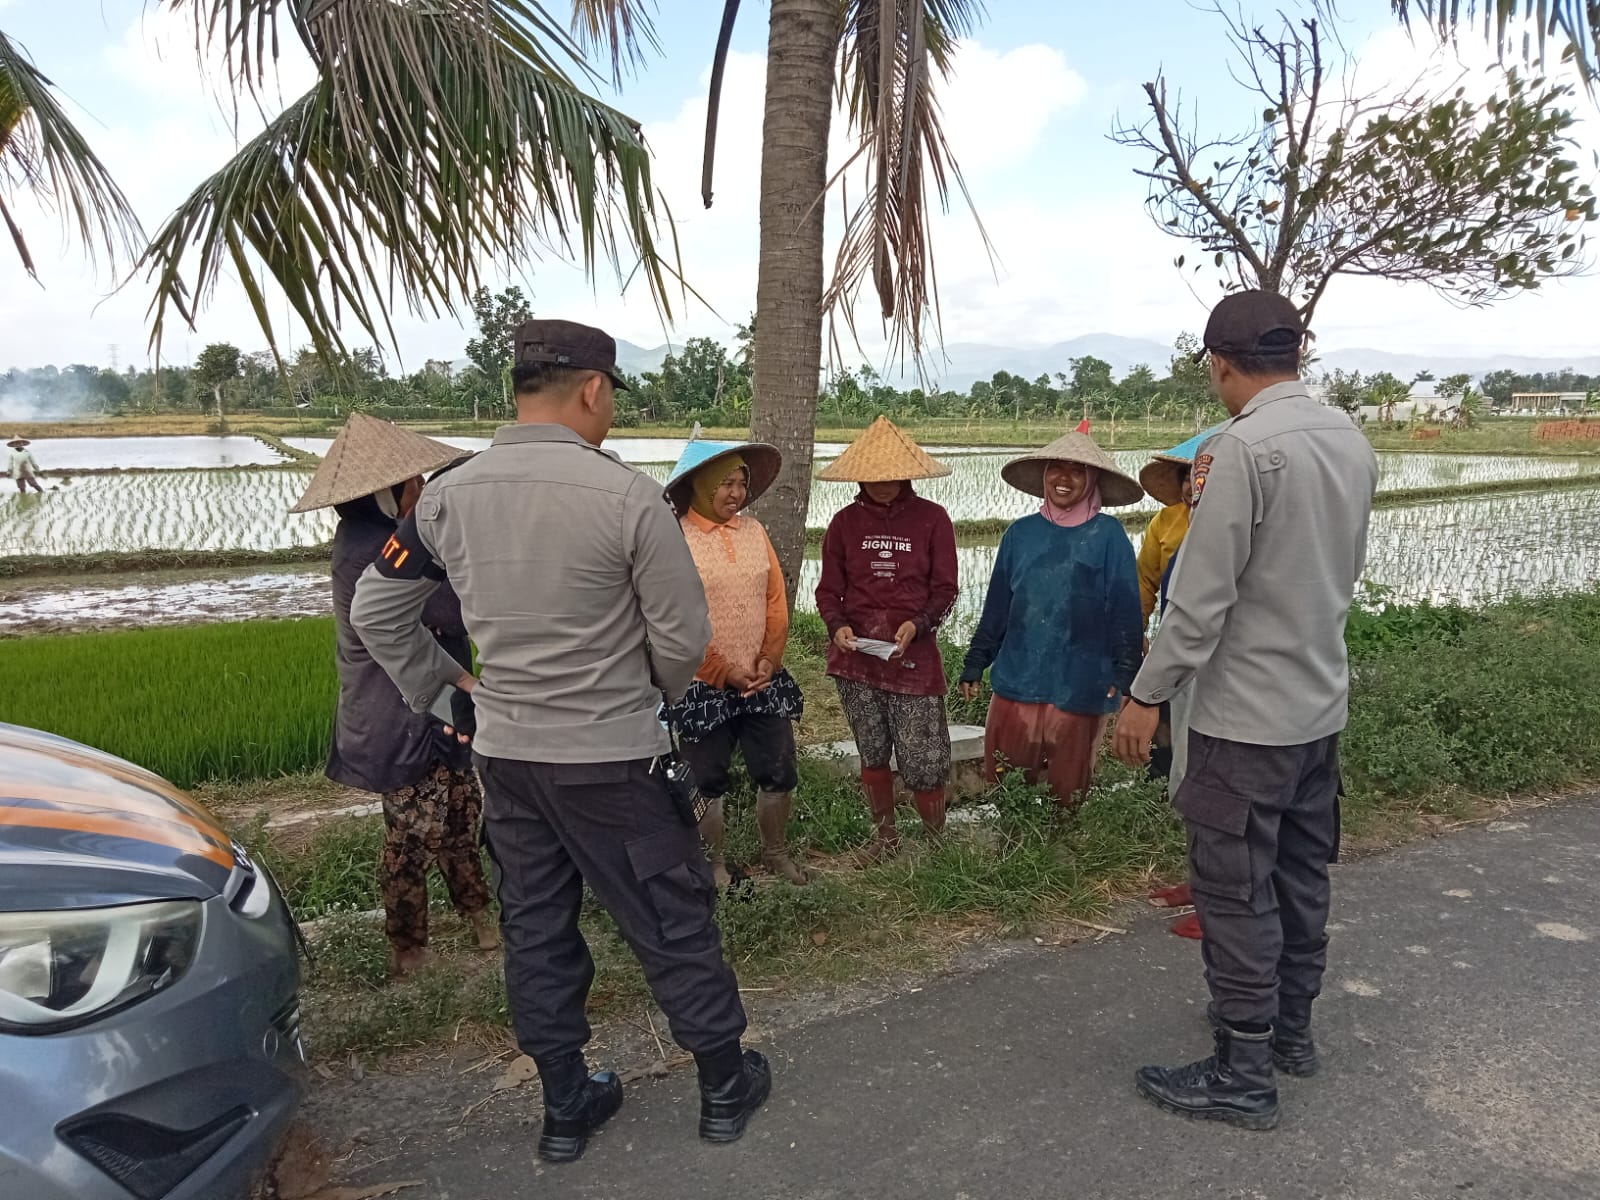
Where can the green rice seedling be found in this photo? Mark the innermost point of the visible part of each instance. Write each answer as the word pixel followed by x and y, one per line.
pixel 248 700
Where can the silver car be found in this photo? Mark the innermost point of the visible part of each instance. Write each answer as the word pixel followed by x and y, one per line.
pixel 149 1018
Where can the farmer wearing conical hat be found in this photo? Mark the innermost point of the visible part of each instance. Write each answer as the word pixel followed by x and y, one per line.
pixel 422 767
pixel 742 695
pixel 1060 633
pixel 889 574
pixel 24 467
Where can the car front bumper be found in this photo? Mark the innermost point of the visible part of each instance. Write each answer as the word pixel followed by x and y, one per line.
pixel 183 1096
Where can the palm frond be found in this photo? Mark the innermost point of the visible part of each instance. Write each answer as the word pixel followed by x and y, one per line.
pixel 892 51
pixel 1574 22
pixel 438 136
pixel 619 29
pixel 43 154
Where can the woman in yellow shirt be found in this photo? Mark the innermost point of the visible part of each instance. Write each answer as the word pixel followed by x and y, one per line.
pixel 1167 478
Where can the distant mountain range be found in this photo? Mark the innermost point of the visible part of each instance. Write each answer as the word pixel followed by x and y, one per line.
pixel 964 363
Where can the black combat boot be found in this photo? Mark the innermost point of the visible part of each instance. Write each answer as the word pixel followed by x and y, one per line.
pixel 1233 1085
pixel 1293 1051
pixel 733 1084
pixel 575 1105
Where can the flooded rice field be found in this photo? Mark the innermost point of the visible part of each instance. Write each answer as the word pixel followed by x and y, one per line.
pixel 121 453
pixel 248 509
pixel 1469 551
pixel 167 598
pixel 640 450
pixel 164 510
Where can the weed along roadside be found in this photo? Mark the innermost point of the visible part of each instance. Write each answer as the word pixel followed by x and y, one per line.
pixel 1450 707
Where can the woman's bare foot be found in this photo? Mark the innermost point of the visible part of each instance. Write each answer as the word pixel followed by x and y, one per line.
pixel 486 928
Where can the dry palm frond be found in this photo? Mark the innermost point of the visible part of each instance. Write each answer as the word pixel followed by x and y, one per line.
pixel 1577 22
pixel 439 135
pixel 892 50
pixel 43 154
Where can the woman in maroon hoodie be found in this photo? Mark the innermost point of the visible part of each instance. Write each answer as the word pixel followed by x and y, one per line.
pixel 889 577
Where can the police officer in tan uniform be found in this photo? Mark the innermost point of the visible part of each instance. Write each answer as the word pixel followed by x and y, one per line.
pixel 581 596
pixel 1255 620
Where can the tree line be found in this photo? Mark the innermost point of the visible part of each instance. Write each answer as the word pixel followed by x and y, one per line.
pixel 704 381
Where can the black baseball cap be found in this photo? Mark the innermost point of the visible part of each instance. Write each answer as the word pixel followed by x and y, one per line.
pixel 568 344
pixel 1253 323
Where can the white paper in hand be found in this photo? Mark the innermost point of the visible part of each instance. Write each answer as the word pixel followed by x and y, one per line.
pixel 875 647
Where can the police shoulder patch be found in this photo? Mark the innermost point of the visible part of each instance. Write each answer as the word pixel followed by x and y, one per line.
pixel 405 557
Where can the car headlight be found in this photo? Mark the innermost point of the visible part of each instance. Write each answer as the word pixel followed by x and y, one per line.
pixel 60 969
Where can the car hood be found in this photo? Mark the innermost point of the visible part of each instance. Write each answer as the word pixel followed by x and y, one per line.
pixel 80 828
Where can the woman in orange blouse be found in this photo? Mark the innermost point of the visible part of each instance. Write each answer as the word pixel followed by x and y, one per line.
pixel 741 696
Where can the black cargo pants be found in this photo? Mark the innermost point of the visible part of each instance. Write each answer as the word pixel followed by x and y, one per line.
pixel 551 828
pixel 1263 825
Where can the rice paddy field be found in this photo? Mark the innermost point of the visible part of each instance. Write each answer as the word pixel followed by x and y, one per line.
pixel 114 453
pixel 242 700
pixel 269 684
pixel 1470 552
pixel 247 509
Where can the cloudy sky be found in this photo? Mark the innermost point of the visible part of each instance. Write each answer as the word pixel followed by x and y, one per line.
pixel 1034 96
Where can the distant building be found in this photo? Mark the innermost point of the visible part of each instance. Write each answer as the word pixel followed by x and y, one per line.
pixel 1545 402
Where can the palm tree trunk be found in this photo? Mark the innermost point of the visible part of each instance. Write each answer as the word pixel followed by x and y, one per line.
pixel 802 43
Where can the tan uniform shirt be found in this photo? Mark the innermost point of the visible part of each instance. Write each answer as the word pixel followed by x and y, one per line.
pixel 1257 603
pixel 576 587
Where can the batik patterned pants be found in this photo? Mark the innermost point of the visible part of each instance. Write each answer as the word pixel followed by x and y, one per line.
pixel 432 822
pixel 912 728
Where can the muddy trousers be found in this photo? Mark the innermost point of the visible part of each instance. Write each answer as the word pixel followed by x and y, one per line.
pixel 26 481
pixel 1263 825
pixel 432 822
pixel 553 827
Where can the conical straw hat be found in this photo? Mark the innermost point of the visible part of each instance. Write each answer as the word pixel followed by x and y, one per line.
pixel 368 456
pixel 1162 476
pixel 882 454
pixel 1026 472
pixel 762 459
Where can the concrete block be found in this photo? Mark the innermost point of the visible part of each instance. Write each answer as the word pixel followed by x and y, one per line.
pixel 966 745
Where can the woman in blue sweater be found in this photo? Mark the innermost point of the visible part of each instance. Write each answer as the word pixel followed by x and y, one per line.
pixel 1061 622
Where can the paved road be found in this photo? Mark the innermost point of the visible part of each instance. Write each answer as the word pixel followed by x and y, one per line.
pixel 1459 1028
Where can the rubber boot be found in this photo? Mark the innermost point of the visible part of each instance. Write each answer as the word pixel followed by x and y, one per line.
pixel 734 1083
pixel 879 785
pixel 575 1105
pixel 1187 926
pixel 1293 1050
pixel 1176 896
pixel 713 828
pixel 930 807
pixel 1234 1085
pixel 772 818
